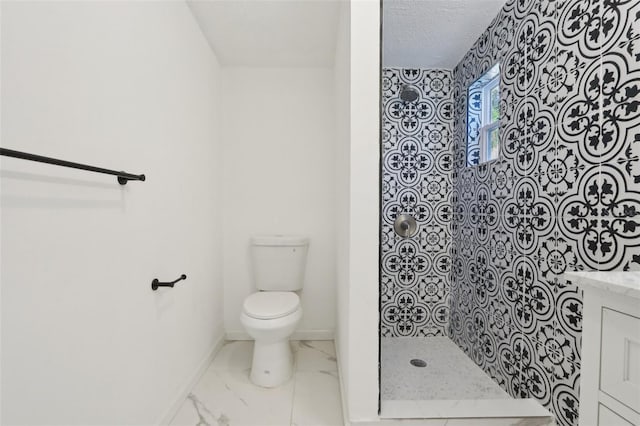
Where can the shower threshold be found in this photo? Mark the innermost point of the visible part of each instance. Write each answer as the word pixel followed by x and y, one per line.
pixel 464 409
pixel 431 377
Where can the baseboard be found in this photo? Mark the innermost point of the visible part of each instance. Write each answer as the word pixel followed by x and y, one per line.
pixel 166 418
pixel 343 394
pixel 297 335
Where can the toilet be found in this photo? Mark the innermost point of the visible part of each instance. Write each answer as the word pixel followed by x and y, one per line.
pixel 271 314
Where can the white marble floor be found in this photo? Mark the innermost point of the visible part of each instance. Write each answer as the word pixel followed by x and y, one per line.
pixel 449 373
pixel 225 396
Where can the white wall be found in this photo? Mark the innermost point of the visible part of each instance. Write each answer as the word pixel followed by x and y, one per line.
pixel 278 171
pixel 342 86
pixel 132 86
pixel 358 313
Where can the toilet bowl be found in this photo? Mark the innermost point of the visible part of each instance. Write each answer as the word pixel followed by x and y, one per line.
pixel 271 314
pixel 270 318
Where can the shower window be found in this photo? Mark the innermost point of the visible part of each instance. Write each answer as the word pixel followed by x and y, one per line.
pixel 483 143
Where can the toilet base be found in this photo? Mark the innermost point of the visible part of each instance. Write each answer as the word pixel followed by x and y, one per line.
pixel 272 363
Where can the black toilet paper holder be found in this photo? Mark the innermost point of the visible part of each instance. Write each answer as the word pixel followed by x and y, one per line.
pixel 155 283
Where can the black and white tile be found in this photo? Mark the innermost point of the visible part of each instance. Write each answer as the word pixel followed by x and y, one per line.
pixel 487 266
pixel 417 180
pixel 564 195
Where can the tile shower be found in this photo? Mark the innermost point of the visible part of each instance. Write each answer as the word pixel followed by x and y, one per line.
pixel 495 238
pixel 417 179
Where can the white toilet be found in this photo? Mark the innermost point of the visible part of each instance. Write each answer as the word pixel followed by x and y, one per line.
pixel 271 315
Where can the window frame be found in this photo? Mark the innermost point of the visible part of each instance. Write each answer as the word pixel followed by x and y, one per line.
pixel 484 145
pixel 478 147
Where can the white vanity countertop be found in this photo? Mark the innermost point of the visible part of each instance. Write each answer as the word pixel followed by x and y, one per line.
pixel 621 282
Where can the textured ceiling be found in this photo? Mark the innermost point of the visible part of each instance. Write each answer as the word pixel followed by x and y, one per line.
pixel 270 33
pixel 433 33
pixel 302 33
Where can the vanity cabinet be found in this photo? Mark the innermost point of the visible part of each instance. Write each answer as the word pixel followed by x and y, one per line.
pixel 610 369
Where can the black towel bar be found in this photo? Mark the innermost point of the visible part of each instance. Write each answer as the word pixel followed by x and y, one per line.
pixel 123 177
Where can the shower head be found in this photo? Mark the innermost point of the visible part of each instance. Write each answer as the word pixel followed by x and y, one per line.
pixel 409 93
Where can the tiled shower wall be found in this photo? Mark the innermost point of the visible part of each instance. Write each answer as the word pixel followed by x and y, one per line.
pixel 417 155
pixel 564 194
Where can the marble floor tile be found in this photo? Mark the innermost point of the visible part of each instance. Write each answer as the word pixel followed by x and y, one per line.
pixel 314 355
pixel 234 355
pixel 225 396
pixel 194 412
pixel 316 400
pixel 229 398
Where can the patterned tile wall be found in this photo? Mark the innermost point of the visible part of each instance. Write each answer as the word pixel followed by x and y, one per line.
pixel 417 155
pixel 564 195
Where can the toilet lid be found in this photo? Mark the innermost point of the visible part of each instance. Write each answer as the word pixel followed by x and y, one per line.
pixel 271 304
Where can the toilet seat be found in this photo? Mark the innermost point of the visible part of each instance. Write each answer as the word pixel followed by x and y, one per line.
pixel 271 304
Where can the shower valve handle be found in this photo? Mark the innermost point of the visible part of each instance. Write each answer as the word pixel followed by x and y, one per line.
pixel 405 226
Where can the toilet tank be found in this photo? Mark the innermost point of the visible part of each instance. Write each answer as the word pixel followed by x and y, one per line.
pixel 279 261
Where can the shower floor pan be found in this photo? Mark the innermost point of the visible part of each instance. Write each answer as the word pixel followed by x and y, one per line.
pixel 450 385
